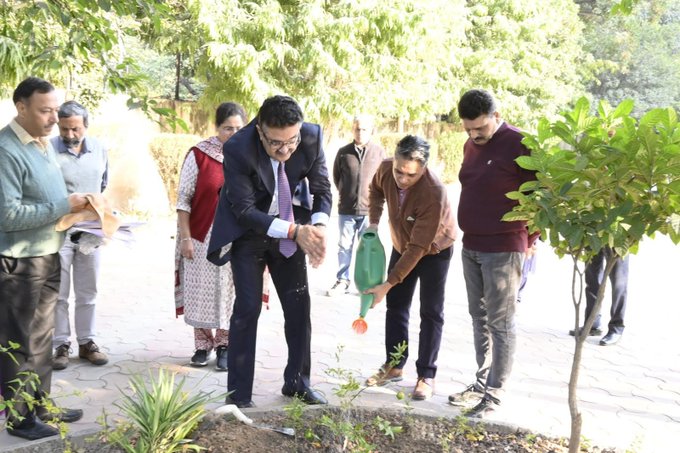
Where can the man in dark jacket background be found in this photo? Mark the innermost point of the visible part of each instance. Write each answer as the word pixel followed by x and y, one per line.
pixel 354 167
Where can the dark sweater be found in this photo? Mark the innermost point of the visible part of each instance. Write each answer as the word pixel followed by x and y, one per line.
pixel 352 175
pixel 488 172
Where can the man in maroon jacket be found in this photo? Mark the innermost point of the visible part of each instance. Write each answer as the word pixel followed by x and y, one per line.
pixel 493 250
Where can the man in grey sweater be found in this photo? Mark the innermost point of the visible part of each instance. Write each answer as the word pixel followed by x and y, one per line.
pixel 32 198
pixel 84 163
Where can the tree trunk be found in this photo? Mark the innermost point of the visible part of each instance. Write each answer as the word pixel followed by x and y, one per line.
pixel 178 73
pixel 579 340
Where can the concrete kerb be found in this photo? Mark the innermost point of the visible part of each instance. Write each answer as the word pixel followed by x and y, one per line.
pixel 91 436
pixel 54 444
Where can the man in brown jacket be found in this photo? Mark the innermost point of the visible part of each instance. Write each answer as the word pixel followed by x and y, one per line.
pixel 423 230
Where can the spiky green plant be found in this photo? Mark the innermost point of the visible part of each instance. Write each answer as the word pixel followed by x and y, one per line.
pixel 161 416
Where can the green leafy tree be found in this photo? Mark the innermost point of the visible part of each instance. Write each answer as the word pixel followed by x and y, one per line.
pixel 404 59
pixel 79 45
pixel 389 57
pixel 604 182
pixel 69 41
pixel 635 53
pixel 176 39
pixel 528 55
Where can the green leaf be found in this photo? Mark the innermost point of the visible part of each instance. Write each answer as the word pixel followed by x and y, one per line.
pixel 624 108
pixel 105 5
pixel 527 162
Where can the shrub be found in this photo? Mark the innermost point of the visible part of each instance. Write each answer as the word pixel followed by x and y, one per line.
pixel 168 151
pixel 449 154
pixel 161 416
pixel 389 141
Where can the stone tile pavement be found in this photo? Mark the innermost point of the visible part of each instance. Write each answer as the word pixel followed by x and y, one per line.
pixel 629 393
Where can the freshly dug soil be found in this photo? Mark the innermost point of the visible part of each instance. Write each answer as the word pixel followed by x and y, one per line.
pixel 329 429
pixel 357 430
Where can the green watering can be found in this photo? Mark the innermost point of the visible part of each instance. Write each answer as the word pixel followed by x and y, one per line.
pixel 369 271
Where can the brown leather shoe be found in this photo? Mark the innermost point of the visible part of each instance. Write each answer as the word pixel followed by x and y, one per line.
pixel 385 375
pixel 424 389
pixel 60 358
pixel 90 351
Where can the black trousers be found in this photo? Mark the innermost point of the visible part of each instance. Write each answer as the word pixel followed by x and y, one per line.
pixel 28 294
pixel 619 281
pixel 250 254
pixel 432 271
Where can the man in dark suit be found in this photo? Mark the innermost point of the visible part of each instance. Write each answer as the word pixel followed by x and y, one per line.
pixel 254 215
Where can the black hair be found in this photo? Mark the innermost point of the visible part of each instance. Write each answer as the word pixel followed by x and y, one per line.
pixel 475 103
pixel 29 86
pixel 72 108
pixel 227 110
pixel 413 147
pixel 279 111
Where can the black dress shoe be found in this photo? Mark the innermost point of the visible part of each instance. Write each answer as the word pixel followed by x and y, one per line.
pixel 594 332
pixel 63 415
pixel 239 404
pixel 308 395
pixel 32 430
pixel 610 339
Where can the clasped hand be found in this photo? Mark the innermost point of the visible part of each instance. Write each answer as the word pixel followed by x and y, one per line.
pixel 77 201
pixel 312 239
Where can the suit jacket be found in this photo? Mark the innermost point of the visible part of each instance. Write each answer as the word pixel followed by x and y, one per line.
pixel 249 185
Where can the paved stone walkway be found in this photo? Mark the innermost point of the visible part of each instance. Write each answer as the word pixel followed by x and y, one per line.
pixel 629 393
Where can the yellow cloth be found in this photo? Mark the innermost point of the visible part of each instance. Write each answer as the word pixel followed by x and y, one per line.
pixel 97 209
pixel 25 138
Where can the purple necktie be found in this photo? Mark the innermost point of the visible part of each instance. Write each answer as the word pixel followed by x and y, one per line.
pixel 286 246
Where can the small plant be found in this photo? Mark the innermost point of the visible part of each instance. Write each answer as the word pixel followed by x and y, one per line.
pixel 398 353
pixel 161 416
pixel 445 442
pixel 28 392
pixel 585 443
pixel 386 427
pixel 352 434
pixel 473 433
pixel 295 410
pixel 340 422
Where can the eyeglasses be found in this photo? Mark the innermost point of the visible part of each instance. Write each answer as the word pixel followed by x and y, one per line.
pixel 277 145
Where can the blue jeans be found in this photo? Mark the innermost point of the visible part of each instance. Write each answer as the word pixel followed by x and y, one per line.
pixel 492 281
pixel 351 226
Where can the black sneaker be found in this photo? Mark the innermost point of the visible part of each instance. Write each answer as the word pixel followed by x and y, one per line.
pixel 468 397
pixel 484 409
pixel 200 358
pixel 221 362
